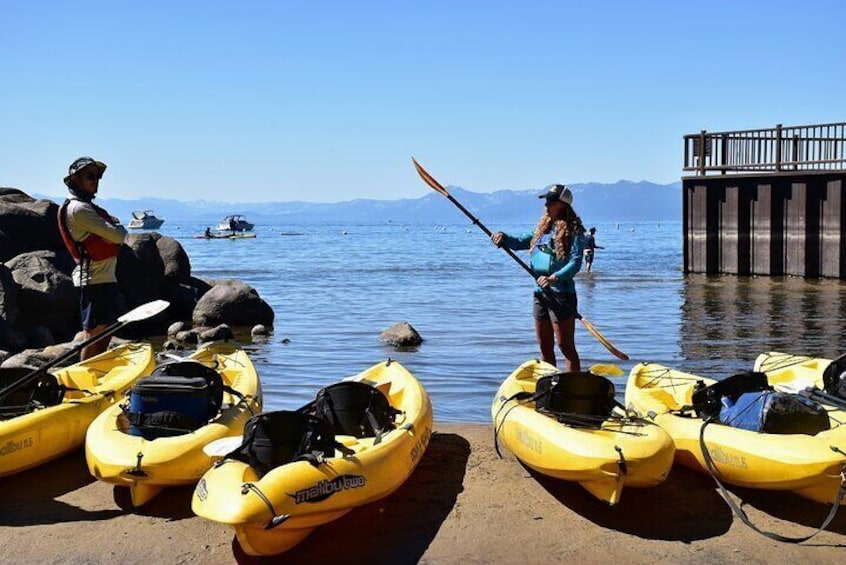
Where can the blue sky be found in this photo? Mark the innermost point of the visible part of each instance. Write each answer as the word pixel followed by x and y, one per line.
pixel 328 101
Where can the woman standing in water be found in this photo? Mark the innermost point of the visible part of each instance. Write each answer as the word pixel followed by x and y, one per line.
pixel 556 244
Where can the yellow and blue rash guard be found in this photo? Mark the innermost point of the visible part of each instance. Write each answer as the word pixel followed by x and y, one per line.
pixel 544 261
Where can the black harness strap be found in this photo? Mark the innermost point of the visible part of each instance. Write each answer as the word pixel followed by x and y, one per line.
pixel 738 511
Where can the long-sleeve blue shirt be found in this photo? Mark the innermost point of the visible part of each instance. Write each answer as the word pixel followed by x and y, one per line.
pixel 545 262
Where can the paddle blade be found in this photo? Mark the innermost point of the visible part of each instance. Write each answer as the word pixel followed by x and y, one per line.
pixel 144 311
pixel 430 180
pixel 606 370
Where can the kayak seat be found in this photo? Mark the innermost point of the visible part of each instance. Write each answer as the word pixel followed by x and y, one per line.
pixel 274 439
pixel 42 392
pixel 581 394
pixel 356 409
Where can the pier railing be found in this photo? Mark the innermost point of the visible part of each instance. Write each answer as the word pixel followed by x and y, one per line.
pixel 781 149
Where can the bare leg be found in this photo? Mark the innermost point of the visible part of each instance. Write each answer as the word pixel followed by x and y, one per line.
pixel 98 346
pixel 546 340
pixel 565 331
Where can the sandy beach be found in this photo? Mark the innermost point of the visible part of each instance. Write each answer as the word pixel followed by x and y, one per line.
pixel 462 504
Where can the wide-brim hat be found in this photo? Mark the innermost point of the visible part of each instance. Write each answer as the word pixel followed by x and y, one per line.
pixel 558 192
pixel 80 164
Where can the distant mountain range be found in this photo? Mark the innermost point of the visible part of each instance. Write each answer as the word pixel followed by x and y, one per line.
pixel 595 202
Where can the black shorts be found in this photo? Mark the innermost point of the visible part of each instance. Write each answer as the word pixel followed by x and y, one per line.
pixel 562 306
pixel 99 304
pixel 589 256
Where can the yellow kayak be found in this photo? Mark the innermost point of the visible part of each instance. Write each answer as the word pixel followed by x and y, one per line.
pixel 274 507
pixel 618 451
pixel 804 464
pixel 794 372
pixel 148 464
pixel 94 384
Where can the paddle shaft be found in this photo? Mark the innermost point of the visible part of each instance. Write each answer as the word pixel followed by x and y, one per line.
pixel 431 181
pixel 60 359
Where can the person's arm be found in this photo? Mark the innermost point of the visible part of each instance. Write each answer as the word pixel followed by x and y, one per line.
pixel 513 242
pixel 85 218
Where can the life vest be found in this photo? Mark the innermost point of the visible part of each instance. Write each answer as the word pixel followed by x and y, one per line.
pixel 93 247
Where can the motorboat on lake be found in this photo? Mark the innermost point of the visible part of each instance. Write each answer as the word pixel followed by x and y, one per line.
pixel 145 220
pixel 235 222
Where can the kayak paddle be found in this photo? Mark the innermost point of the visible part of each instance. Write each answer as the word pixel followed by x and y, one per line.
pixel 430 180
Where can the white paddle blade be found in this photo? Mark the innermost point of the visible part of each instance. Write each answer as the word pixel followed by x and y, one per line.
pixel 144 311
pixel 221 447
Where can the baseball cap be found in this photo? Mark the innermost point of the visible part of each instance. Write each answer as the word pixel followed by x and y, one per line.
pixel 558 192
pixel 80 164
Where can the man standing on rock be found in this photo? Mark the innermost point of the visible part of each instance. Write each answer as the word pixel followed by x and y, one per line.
pixel 93 238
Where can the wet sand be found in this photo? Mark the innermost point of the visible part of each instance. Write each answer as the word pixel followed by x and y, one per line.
pixel 462 504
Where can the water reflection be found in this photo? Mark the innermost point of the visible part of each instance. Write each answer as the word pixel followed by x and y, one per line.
pixel 726 321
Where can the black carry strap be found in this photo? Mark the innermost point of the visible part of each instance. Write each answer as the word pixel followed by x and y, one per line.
pixel 738 511
pixel 518 396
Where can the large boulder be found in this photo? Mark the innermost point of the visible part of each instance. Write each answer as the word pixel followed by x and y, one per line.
pixel 182 300
pixel 26 224
pixel 232 302
pixel 177 266
pixel 46 295
pixel 140 269
pixel 8 302
pixel 401 334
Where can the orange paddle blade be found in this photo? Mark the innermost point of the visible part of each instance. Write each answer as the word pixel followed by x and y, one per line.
pixel 430 180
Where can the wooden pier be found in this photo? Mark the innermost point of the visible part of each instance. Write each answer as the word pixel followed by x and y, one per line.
pixel 766 202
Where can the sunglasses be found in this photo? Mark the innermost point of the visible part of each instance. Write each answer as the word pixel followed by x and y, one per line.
pixel 91 176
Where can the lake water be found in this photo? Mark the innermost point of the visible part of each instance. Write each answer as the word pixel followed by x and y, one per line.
pixel 334 288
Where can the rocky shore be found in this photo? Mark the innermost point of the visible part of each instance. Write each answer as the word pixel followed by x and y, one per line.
pixel 39 306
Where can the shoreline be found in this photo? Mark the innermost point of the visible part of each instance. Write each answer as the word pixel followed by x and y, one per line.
pixel 462 504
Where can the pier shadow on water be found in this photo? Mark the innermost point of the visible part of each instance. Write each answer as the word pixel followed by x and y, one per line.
pixel 727 321
pixel 397 529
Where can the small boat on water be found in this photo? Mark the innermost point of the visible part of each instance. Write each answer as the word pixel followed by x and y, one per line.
pixel 144 220
pixel 235 222
pixel 225 236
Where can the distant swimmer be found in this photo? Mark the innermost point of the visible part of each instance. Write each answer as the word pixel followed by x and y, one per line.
pixel 590 247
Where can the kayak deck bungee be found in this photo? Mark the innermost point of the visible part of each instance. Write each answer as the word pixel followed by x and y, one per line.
pixel 616 452
pixel 146 466
pixel 93 385
pixel 807 465
pixel 275 511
